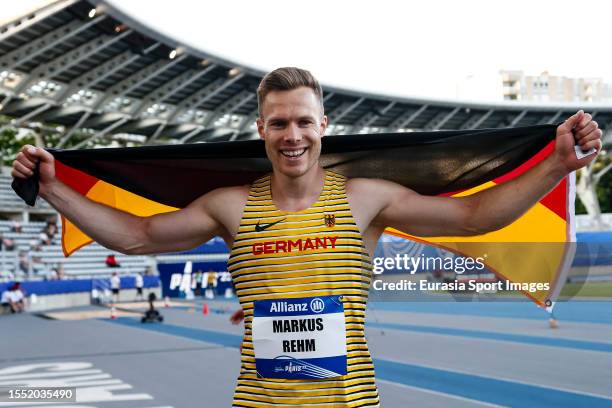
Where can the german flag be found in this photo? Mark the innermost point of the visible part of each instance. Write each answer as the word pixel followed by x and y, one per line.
pixel 155 179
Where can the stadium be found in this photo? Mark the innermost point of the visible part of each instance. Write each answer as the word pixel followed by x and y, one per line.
pixel 83 74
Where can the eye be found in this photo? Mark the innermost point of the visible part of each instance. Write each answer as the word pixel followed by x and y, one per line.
pixel 277 124
pixel 305 123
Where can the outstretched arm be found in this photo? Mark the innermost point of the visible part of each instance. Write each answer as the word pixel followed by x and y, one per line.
pixel 119 230
pixel 494 208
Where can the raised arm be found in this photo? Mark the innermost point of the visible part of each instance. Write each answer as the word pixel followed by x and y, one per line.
pixel 118 230
pixel 490 209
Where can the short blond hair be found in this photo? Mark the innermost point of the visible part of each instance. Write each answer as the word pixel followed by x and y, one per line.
pixel 287 79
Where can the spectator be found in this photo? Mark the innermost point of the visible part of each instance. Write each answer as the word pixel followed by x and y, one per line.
pixel 24 261
pixel 44 238
pixel 210 284
pixel 115 283
pixel 37 263
pixel 139 283
pixel 111 262
pixel 16 226
pixel 59 271
pixel 6 243
pixel 198 280
pixel 50 229
pixel 14 299
pixel 52 221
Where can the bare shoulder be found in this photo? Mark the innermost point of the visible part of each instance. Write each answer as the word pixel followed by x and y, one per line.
pixel 223 200
pixel 233 193
pixel 226 205
pixel 367 197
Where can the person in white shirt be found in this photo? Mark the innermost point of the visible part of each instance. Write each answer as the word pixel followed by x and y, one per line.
pixel 14 299
pixel 139 283
pixel 115 283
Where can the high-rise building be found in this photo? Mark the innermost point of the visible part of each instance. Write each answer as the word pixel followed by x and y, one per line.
pixel 550 88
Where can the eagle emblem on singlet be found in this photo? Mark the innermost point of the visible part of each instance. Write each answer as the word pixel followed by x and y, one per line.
pixel 330 220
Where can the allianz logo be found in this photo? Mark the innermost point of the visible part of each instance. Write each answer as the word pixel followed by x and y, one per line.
pixel 317 305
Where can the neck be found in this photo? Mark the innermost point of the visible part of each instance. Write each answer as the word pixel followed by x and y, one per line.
pixel 297 193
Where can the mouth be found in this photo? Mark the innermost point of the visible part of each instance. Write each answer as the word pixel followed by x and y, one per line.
pixel 293 153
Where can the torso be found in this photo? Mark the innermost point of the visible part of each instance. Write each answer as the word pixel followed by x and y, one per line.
pixel 323 259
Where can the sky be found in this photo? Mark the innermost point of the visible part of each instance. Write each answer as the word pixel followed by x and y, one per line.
pixel 437 49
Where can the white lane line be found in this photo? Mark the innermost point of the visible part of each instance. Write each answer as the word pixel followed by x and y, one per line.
pixel 438 393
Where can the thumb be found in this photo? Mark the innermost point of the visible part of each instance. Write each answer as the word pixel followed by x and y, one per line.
pixel 39 153
pixel 572 121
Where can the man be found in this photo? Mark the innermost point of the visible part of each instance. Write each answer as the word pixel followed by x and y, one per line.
pixel 115 283
pixel 13 299
pixel 198 279
pixel 210 283
pixel 139 284
pixel 302 240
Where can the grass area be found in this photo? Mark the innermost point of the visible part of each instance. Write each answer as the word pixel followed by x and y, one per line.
pixel 570 290
pixel 590 289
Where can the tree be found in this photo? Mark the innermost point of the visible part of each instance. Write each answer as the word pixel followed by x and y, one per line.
pixel 38 134
pixel 11 140
pixel 594 188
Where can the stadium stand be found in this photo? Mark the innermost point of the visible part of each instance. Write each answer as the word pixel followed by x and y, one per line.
pixel 88 66
pixel 88 262
pixel 13 206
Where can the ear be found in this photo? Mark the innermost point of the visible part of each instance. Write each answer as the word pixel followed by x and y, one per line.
pixel 260 128
pixel 323 127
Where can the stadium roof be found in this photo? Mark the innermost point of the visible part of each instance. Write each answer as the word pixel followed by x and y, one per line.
pixel 87 65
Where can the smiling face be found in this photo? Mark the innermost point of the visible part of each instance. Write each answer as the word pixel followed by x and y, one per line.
pixel 292 125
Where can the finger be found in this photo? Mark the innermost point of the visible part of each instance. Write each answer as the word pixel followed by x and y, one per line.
pixel 38 153
pixel 22 169
pixel 29 153
pixel 593 144
pixel 594 135
pixel 586 118
pixel 570 122
pixel 21 158
pixel 590 127
pixel 17 174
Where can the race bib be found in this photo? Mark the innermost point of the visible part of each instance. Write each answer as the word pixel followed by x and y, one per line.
pixel 300 338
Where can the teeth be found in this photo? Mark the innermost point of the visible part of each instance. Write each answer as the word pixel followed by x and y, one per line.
pixel 293 153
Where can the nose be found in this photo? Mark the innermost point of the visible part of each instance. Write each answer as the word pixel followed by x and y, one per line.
pixel 293 133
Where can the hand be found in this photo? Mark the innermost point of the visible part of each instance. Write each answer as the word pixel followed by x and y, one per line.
pixel 26 160
pixel 583 130
pixel 237 317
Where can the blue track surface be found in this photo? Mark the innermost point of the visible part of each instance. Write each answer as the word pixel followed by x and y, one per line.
pixel 501 392
pixel 487 335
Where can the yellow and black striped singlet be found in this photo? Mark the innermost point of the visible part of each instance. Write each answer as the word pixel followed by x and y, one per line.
pixel 264 266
